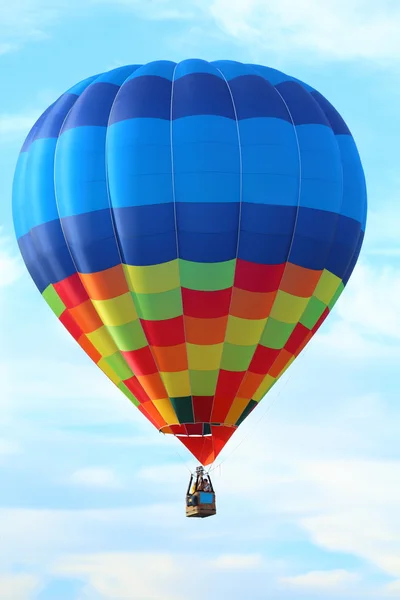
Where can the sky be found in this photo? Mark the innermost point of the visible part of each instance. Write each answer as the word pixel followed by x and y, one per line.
pixel 308 489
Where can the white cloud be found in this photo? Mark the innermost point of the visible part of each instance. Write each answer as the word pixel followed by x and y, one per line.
pixel 20 586
pixel 382 233
pixel 307 473
pixel 328 465
pixel 367 532
pixel 237 562
pixel 358 509
pixel 10 266
pixel 348 506
pixel 367 323
pixel 168 473
pixel 128 576
pixel 370 301
pixel 16 126
pixel 45 543
pixel 38 536
pixel 333 29
pixel 157 10
pixel 344 341
pixel 53 395
pixel 25 20
pixel 393 589
pixel 11 269
pixel 322 581
pixel 96 477
pixel 6 48
pixel 9 447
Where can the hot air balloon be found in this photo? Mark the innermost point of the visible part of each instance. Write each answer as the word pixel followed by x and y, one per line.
pixel 191 225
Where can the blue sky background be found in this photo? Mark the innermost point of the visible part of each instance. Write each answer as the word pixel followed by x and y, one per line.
pixel 92 497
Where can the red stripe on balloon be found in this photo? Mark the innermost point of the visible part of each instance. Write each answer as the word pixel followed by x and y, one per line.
pixel 258 278
pixel 169 332
pixel 263 359
pixel 227 388
pixel 207 305
pixel 297 337
pixel 71 291
pixel 202 406
pixel 141 361
pixel 70 325
pixel 137 390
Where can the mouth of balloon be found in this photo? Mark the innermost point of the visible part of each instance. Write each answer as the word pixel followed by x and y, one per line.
pixel 204 440
pixel 181 435
pixel 182 430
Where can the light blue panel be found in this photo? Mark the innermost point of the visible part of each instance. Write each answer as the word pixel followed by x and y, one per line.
pixel 206 157
pixel 80 176
pixel 204 128
pixel 128 189
pixel 195 65
pixel 321 169
pixel 21 216
pixel 354 196
pixel 321 164
pixel 159 68
pixel 139 164
pixel 37 187
pixel 270 161
pixel 272 158
pixel 316 137
pixel 121 135
pixel 321 181
pixel 267 130
pixel 270 188
pixel 354 203
pixel 146 159
pixel 320 194
pixel 207 187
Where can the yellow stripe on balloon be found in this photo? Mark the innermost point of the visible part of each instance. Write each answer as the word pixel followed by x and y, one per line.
pixel 244 332
pixel 176 383
pixel 266 385
pixel 116 311
pixel 236 410
pixel 109 371
pixel 166 410
pixel 102 341
pixel 153 279
pixel 327 286
pixel 288 308
pixel 203 357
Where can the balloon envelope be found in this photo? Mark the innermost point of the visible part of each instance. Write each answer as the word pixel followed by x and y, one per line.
pixel 191 225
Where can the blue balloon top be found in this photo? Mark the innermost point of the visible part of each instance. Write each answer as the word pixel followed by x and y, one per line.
pixel 222 142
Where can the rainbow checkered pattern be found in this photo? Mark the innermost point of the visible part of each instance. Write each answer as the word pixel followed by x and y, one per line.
pixel 191 225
